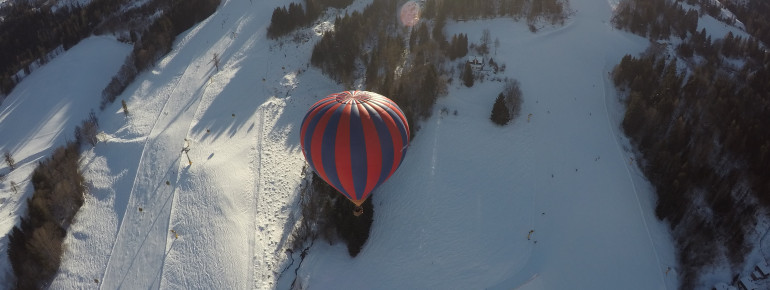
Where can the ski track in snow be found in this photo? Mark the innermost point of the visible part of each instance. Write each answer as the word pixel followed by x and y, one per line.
pixel 155 155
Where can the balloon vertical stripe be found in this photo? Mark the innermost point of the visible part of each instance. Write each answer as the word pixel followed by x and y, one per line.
pixel 316 142
pixel 374 151
pixel 328 154
pixel 398 117
pixel 354 140
pixel 342 145
pixel 396 144
pixel 358 154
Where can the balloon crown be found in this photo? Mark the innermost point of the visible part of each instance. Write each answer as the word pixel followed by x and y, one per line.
pixel 348 97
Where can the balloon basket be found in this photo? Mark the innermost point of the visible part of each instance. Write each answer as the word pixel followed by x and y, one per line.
pixel 358 210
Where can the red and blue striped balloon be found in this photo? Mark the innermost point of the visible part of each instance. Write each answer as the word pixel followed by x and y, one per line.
pixel 354 140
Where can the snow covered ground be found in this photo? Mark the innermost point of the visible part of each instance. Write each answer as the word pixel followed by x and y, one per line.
pixel 456 215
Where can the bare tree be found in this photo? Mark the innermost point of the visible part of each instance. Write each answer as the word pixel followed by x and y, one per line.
pixel 215 60
pixel 88 130
pixel 9 160
pixel 486 39
pixel 512 94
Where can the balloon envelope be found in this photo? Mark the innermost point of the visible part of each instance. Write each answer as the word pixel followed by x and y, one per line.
pixel 410 13
pixel 354 140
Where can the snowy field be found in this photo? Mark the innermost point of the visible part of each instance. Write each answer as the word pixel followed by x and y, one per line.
pixel 456 215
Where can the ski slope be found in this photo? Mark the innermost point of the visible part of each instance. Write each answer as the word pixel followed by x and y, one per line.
pixel 456 215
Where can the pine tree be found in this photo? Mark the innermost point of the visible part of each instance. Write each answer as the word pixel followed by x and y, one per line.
pixel 468 75
pixel 500 114
pixel 125 107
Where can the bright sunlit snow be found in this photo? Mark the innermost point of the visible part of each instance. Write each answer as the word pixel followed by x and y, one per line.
pixel 456 215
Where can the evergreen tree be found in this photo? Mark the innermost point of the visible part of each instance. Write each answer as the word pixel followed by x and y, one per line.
pixel 467 75
pixel 125 107
pixel 500 114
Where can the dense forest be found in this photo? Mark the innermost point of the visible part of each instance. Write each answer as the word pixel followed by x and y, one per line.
pixel 700 120
pixel 29 33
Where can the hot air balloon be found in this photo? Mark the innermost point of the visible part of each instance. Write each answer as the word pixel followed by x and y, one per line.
pixel 354 140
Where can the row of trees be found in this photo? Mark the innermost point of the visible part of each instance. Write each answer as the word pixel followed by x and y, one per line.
pixel 553 11
pixel 656 19
pixel 286 20
pixel 35 246
pixel 458 46
pixel 731 46
pixel 704 142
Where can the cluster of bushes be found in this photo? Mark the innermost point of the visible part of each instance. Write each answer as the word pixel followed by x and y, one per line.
pixel 86 132
pixel 156 41
pixel 656 19
pixel 704 142
pixel 35 246
pixel 327 214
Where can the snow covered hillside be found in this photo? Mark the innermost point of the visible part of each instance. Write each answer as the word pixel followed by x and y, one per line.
pixel 41 115
pixel 551 201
